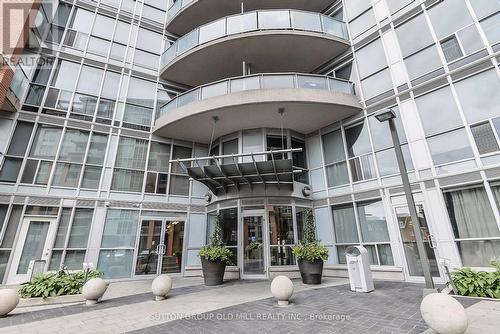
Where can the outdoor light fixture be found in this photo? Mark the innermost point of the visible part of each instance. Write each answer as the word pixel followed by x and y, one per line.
pixel 385 115
pixel 389 115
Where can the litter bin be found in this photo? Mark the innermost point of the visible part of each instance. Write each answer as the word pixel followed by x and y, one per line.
pixel 358 266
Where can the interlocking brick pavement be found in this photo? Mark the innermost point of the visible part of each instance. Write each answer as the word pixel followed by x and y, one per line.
pixel 394 307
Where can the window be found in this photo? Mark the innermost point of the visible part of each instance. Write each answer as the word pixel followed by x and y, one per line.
pixel 344 224
pixel 158 166
pixel 474 225
pixel 335 159
pixel 438 111
pixel 62 85
pixel 276 143
pixel 479 96
pixel 414 35
pixel 371 58
pixel 485 7
pixel 449 16
pixel 148 46
pixel 469 39
pixel 179 181
pixel 130 164
pixel 10 169
pixel 357 140
pixel 79 28
pixel 66 175
pixel 451 49
pixel 19 82
pixel 354 8
pixel 56 29
pixel 377 84
pixel 423 62
pixel 371 228
pixel 359 152
pixel 395 5
pixel 449 147
pixel 372 221
pixel 344 72
pixel 74 145
pixel 485 138
pixel 69 250
pixel 95 160
pixel 118 242
pixel 9 235
pixel 299 159
pixel 387 161
pixel 281 235
pixel 229 221
pixel 42 155
pixel 69 165
pixel 490 27
pixel 362 23
pixel 20 139
pixel 229 147
pixel 140 102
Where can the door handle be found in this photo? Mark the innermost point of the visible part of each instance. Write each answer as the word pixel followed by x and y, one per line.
pixel 432 241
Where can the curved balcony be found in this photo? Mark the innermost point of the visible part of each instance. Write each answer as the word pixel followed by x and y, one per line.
pixel 269 41
pixel 185 15
pixel 309 101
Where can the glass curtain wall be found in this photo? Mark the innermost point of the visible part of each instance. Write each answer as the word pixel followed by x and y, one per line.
pixel 368 228
pixel 118 243
pixel 476 232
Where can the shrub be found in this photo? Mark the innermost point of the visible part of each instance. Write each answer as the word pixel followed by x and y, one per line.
pixel 56 284
pixel 478 283
pixel 309 247
pixel 216 250
pixel 214 253
pixel 310 251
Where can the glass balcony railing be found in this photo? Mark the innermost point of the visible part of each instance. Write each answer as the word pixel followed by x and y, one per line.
pixel 255 21
pixel 257 81
pixel 177 7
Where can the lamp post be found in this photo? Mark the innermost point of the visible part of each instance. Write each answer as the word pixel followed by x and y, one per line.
pixel 389 115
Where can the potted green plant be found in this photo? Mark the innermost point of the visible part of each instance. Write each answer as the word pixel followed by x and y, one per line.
pixel 214 257
pixel 310 254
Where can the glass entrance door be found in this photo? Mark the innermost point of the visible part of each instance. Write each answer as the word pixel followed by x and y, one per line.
pixel 148 247
pixel 34 244
pixel 253 246
pixel 159 248
pixel 171 249
pixel 413 263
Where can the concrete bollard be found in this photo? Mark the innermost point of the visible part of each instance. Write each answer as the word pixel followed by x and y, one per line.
pixel 9 299
pixel 444 314
pixel 161 286
pixel 93 290
pixel 282 289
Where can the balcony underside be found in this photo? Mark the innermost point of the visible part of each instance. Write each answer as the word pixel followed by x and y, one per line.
pixel 265 51
pixel 221 179
pixel 306 110
pixel 200 12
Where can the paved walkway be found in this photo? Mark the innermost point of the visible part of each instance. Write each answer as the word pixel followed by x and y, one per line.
pixel 235 307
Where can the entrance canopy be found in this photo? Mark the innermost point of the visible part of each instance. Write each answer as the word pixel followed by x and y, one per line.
pixel 233 172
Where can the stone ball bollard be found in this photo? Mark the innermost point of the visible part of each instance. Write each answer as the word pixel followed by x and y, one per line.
pixel 93 290
pixel 161 286
pixel 282 289
pixel 444 314
pixel 9 299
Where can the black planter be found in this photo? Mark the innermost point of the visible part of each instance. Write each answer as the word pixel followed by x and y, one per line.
pixel 311 272
pixel 213 271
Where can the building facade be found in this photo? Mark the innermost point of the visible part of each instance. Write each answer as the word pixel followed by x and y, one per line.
pixel 139 122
